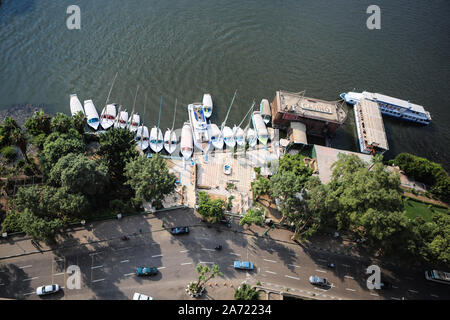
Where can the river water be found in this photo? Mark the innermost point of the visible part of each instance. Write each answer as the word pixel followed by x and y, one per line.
pixel 183 48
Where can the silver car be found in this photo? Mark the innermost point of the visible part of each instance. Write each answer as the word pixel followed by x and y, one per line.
pixel 318 281
pixel 44 290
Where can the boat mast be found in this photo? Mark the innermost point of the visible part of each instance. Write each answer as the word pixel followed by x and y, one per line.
pixel 134 104
pixel 159 116
pixel 142 125
pixel 251 108
pixel 107 99
pixel 174 113
pixel 223 123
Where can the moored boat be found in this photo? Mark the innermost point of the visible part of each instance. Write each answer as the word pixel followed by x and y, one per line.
pixel 75 105
pixel 142 137
pixel 251 137
pixel 199 126
pixel 170 141
pixel 215 136
pixel 186 143
pixel 122 119
pixel 238 135
pixel 228 137
pixel 134 121
pixel 260 127
pixel 91 114
pixel 108 116
pixel 156 139
pixel 266 113
pixel 207 105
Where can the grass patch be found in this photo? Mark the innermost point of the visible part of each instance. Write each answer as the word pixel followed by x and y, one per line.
pixel 416 209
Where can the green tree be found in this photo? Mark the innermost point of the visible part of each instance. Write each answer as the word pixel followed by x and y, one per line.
pixel 61 123
pixel 253 215
pixel 39 123
pixel 295 164
pixel 117 147
pixel 9 153
pixel 79 122
pixel 204 275
pixel 211 210
pixel 20 139
pixel 260 187
pixel 150 178
pixel 246 292
pixel 40 228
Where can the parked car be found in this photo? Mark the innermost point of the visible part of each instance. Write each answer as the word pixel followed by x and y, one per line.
pixel 146 271
pixel 49 289
pixel 245 265
pixel 318 281
pixel 140 296
pixel 179 230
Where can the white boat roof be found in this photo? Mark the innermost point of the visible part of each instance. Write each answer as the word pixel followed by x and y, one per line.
pixel 259 124
pixel 372 130
pixel 156 131
pixel 266 107
pixel 207 100
pixel 75 104
pixel 111 110
pixel 186 137
pixel 89 108
pixel 394 101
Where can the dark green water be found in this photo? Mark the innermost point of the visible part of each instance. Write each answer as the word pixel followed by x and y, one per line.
pixel 183 48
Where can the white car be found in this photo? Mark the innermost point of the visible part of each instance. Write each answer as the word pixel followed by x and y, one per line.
pixel 44 290
pixel 140 296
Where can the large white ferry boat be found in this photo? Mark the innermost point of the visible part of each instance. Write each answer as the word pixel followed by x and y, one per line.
pixel 390 106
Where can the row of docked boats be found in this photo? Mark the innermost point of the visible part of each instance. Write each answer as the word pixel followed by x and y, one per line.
pixel 198 132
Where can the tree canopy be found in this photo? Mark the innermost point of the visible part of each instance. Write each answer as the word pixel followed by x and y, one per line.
pixel 211 210
pixel 253 215
pixel 246 292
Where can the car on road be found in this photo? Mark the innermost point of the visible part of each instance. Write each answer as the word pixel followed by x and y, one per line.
pixel 318 281
pixel 140 296
pixel 245 265
pixel 146 271
pixel 49 289
pixel 179 230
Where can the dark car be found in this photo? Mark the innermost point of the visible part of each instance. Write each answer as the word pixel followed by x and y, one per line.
pixel 146 271
pixel 179 230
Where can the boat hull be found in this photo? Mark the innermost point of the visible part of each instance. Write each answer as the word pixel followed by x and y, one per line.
pixel 75 105
pixel 91 114
pixel 186 142
pixel 170 141
pixel 156 140
pixel 228 137
pixel 207 105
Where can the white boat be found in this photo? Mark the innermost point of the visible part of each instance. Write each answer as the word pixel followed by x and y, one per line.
pixel 121 120
pixel 228 137
pixel 156 139
pixel 186 144
pixel 91 114
pixel 251 137
pixel 133 122
pixel 75 105
pixel 215 136
pixel 108 116
pixel 207 105
pixel 260 127
pixel 266 113
pixel 390 106
pixel 199 126
pixel 238 134
pixel 170 141
pixel 142 137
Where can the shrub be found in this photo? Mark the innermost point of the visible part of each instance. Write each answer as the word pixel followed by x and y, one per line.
pixel 12 222
pixel 116 205
pixel 9 153
pixel 28 169
pixel 20 163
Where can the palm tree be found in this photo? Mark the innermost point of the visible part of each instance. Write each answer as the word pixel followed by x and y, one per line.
pixel 19 139
pixel 246 292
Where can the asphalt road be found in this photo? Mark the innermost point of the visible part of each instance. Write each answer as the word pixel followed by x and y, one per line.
pixel 109 273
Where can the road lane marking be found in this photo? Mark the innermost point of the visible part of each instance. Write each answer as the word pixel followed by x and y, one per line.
pixel 206 249
pixel 273 261
pixel 394 298
pixel 124 261
pixel 206 262
pixel 27 294
pixel 235 254
pixel 292 277
pixel 323 260
pixel 320 289
pixel 123 248
pixel 128 274
pixel 185 263
pixel 413 291
pixel 349 277
pixel 435 296
pixel 25 267
pixel 183 251
pixel 394 287
pixel 271 272
pixel 346 265
pixel 95 253
pixel 98 280
pixel 159 268
pixel 350 289
pixel 58 274
pixel 96 267
pixel 293 265
pixel 29 279
pixel 157 255
pixel 202 238
pixel 321 271
pixel 374 294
